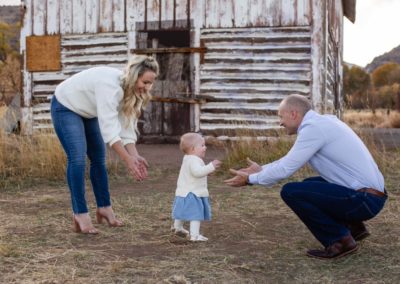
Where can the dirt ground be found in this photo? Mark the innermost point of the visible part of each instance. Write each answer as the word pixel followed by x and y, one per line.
pixel 253 236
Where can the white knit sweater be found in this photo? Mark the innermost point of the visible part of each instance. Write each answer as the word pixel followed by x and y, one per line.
pixel 97 92
pixel 193 177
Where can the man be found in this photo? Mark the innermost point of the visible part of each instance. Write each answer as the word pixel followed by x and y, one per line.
pixel 349 188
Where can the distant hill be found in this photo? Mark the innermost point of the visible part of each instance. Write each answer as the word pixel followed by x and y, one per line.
pixel 391 56
pixel 350 65
pixel 10 14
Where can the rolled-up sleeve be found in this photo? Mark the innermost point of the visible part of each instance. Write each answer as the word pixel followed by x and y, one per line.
pixel 128 129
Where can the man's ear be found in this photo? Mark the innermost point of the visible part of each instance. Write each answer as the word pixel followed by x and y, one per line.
pixel 293 114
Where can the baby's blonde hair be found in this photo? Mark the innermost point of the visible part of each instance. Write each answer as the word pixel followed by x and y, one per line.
pixel 188 141
pixel 133 103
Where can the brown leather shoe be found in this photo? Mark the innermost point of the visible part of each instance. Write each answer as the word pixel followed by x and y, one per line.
pixel 338 249
pixel 358 230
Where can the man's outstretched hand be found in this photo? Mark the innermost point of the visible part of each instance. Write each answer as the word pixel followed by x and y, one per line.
pixel 252 168
pixel 240 178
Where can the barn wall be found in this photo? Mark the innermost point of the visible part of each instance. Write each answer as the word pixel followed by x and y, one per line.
pixel 247 72
pixel 254 13
pixel 257 51
pixel 78 52
pixel 94 16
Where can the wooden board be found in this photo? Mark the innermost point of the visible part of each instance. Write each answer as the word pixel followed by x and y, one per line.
pixel 43 53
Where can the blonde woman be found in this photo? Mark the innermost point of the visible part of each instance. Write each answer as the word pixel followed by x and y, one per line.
pixel 97 106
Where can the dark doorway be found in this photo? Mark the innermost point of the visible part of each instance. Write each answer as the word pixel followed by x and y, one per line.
pixel 163 118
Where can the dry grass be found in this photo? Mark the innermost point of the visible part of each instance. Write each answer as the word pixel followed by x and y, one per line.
pixel 3 110
pixel 254 237
pixel 367 118
pixel 25 159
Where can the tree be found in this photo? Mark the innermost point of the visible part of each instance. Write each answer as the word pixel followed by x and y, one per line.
pixel 5 39
pixel 386 74
pixel 356 84
pixel 10 71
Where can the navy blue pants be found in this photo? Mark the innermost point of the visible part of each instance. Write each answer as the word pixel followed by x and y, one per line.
pixel 325 208
pixel 79 137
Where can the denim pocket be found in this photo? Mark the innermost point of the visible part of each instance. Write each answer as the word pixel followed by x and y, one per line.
pixel 366 207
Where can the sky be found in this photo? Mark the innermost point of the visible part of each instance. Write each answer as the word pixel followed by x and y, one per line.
pixel 375 31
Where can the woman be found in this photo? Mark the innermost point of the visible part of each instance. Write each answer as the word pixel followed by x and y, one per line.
pixel 97 106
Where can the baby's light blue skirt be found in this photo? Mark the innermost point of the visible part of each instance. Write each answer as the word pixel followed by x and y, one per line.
pixel 191 208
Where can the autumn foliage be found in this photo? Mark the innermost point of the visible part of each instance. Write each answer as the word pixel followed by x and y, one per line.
pixel 380 89
pixel 10 66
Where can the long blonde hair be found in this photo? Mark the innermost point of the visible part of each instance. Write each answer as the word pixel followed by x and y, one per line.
pixel 132 102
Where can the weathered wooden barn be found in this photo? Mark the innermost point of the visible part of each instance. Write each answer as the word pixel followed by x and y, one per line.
pixel 225 64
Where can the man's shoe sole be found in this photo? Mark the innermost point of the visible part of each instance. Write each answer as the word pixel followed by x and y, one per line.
pixel 361 236
pixel 335 257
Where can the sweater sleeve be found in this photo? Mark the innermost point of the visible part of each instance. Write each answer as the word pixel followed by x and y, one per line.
pixel 198 169
pixel 128 129
pixel 107 102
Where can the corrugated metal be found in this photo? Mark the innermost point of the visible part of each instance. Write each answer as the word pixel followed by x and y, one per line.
pixel 246 74
pixel 78 52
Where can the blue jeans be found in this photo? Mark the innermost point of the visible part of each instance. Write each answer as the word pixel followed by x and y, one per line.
pixel 325 208
pixel 79 137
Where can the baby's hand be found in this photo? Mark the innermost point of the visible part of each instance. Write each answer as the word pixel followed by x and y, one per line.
pixel 216 164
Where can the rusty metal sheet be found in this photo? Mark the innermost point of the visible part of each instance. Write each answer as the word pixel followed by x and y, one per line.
pixel 43 53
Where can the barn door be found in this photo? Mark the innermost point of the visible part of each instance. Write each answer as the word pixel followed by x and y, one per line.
pixel 167 117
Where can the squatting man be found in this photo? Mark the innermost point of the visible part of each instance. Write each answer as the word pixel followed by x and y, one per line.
pixel 348 190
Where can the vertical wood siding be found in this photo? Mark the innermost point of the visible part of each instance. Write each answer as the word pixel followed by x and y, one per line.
pixel 90 16
pixel 256 13
pixel 53 19
pixel 246 74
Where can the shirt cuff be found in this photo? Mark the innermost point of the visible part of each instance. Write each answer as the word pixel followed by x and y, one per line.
pixel 253 179
pixel 116 139
pixel 128 141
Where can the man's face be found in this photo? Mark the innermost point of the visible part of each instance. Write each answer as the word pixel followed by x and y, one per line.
pixel 288 118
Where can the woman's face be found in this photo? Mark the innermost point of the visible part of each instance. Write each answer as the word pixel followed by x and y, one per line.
pixel 145 82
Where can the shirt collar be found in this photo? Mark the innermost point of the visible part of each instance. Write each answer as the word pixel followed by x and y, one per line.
pixel 309 115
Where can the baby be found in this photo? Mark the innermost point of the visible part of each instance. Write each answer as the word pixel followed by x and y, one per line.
pixel 191 197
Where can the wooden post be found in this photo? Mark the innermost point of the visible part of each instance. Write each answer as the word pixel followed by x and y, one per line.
pixel 318 45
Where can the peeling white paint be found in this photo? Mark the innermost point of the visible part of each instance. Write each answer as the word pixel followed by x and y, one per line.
pixel 258 51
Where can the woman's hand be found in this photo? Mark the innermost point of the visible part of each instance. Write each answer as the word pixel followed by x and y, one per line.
pixel 143 166
pixel 137 166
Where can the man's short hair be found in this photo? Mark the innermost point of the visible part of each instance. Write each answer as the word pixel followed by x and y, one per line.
pixel 297 102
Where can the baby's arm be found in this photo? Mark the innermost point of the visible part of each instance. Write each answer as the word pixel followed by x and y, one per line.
pixel 198 169
pixel 216 164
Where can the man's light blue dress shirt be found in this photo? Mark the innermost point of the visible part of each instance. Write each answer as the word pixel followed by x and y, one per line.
pixel 332 149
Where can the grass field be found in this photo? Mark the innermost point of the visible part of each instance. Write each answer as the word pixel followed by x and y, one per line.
pixel 380 118
pixel 254 237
